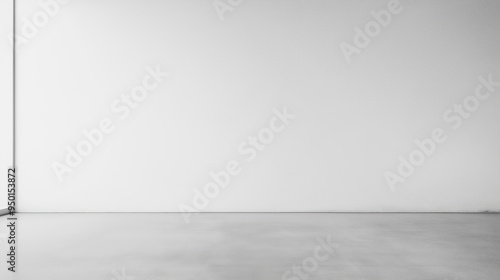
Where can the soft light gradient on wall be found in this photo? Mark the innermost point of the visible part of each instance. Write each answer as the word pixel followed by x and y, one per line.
pixel 352 120
pixel 6 118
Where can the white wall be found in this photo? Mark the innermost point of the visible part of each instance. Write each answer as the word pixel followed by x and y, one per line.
pixel 352 120
pixel 6 124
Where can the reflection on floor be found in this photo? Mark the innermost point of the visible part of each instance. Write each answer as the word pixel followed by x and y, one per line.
pixel 132 246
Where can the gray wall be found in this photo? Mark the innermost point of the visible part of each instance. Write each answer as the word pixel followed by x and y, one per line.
pixel 354 115
pixel 6 71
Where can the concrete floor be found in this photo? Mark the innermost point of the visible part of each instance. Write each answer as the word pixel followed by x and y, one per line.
pixel 255 246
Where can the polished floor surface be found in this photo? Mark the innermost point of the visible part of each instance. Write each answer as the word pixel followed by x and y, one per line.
pixel 132 246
